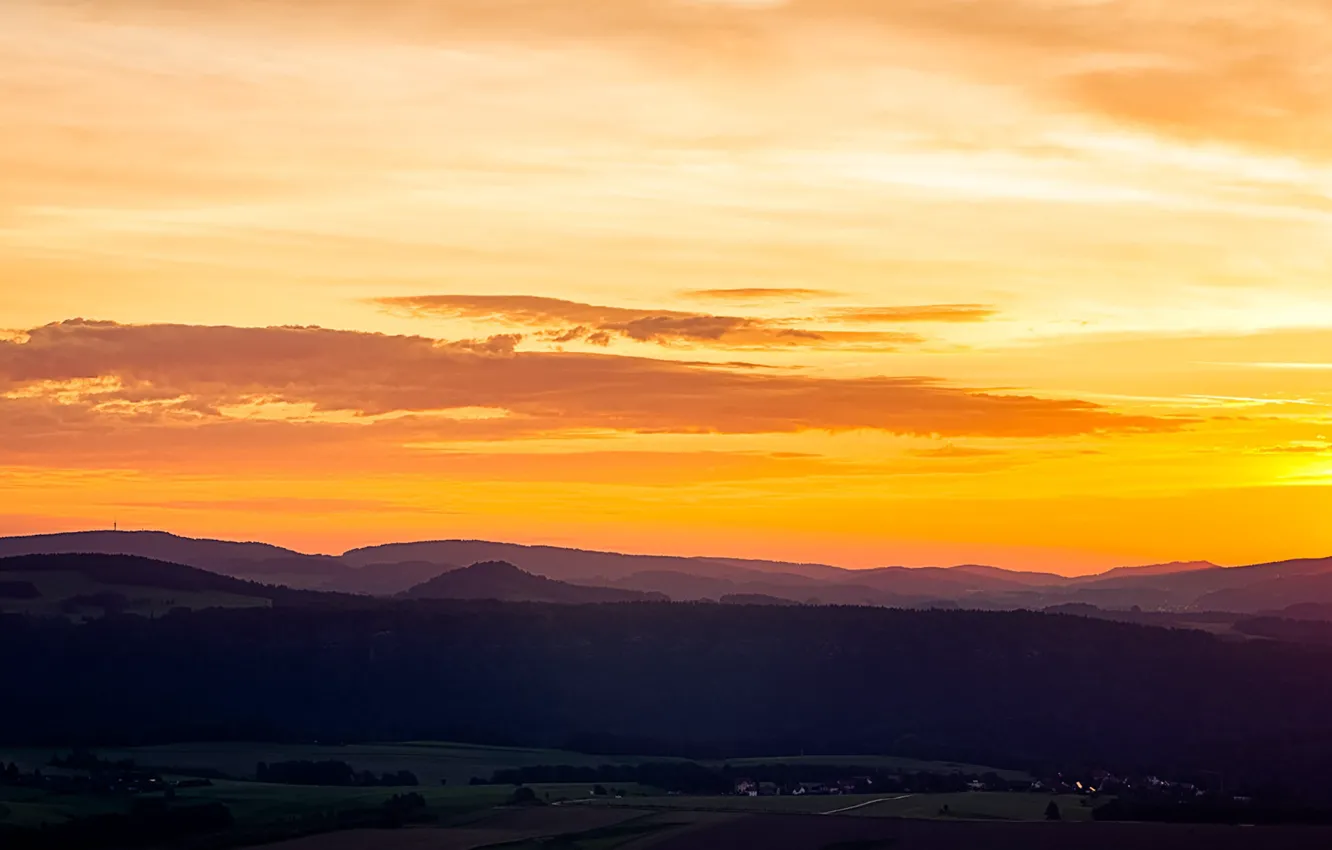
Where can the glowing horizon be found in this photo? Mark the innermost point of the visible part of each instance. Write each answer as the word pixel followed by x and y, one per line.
pixel 1043 284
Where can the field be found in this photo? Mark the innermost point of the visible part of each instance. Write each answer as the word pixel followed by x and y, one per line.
pixel 794 832
pixel 27 807
pixel 964 806
pixel 891 764
pixel 606 828
pixel 57 586
pixel 475 816
pixel 431 762
pixel 569 827
pixel 435 761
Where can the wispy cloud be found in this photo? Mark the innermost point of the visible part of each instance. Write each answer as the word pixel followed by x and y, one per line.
pixel 562 322
pixel 922 313
pixel 751 294
pixel 951 452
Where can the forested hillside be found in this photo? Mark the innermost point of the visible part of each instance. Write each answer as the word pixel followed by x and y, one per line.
pixel 689 679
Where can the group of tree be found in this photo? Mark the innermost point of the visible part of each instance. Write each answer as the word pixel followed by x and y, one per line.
pixel 330 773
pixel 402 809
pixel 84 759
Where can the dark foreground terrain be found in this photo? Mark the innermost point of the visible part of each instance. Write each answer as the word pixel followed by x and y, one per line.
pixel 633 723
pixel 812 832
pixel 1014 689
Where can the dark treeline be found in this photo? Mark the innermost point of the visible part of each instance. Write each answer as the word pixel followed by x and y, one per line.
pixel 83 759
pixel 1020 689
pixel 334 773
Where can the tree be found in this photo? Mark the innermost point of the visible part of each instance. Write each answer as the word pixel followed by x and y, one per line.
pixel 1052 812
pixel 400 809
pixel 523 796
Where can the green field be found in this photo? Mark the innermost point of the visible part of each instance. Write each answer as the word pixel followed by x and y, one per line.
pixel 259 803
pixel 56 586
pixel 431 762
pixel 273 811
pixel 435 761
pixel 270 811
pixel 28 807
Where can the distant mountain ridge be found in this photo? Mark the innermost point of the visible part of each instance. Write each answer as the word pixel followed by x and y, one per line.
pixel 258 562
pixel 397 568
pixel 1172 568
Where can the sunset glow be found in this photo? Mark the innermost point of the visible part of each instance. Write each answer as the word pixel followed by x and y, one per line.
pixel 1041 284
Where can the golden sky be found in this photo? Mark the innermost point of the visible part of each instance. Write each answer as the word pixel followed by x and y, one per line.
pixel 1036 283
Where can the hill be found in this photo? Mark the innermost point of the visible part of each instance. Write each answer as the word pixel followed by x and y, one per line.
pixel 1172 568
pixel 580 565
pixel 398 567
pixel 257 562
pixel 504 582
pixel 699 680
pixel 93 583
pixel 261 562
pixel 1253 588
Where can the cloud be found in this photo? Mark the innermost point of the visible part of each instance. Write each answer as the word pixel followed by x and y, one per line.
pixel 953 452
pixel 1259 102
pixel 758 294
pixel 564 322
pixel 1239 71
pixel 922 313
pixel 183 378
pixel 1299 448
pixel 517 309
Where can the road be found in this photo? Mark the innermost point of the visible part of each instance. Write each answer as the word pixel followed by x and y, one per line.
pixel 870 803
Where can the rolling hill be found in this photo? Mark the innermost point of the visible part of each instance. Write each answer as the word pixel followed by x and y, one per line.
pixel 260 562
pixel 579 565
pixel 257 562
pixel 506 583
pixel 73 585
pixel 394 568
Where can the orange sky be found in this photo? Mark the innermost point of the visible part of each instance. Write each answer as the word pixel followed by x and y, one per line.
pixel 1038 283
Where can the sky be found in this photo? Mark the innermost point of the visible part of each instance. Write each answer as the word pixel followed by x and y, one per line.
pixel 1045 284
